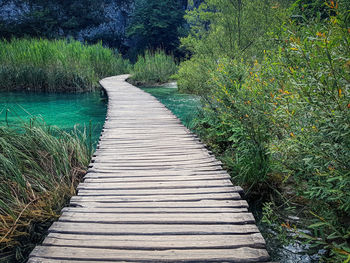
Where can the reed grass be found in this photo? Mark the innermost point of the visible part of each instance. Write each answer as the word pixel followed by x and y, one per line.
pixel 56 65
pixel 40 167
pixel 153 68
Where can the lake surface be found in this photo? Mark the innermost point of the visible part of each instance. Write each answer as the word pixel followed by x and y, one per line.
pixel 184 106
pixel 61 110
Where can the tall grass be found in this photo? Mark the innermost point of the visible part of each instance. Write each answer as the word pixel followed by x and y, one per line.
pixel 39 170
pixel 56 66
pixel 153 68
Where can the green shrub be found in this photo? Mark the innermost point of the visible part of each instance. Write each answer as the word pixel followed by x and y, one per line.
pixel 40 168
pixel 316 64
pixel 56 66
pixel 194 74
pixel 286 121
pixel 153 68
pixel 238 119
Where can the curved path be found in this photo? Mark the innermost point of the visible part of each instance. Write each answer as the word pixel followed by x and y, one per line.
pixel 153 193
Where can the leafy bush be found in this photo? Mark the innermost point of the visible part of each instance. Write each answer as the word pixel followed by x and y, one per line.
pixel 56 66
pixel 40 168
pixel 316 64
pixel 193 75
pixel 286 121
pixel 241 124
pixel 153 68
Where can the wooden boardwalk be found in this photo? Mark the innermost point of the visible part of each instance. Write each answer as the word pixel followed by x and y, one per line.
pixel 153 193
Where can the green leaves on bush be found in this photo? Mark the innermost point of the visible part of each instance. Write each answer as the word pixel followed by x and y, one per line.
pixel 284 119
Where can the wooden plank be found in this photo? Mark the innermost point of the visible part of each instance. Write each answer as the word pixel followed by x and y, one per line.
pixel 157 185
pixel 160 169
pixel 155 193
pixel 185 218
pixel 190 176
pixel 244 254
pixel 108 165
pixel 156 242
pixel 210 204
pixel 50 260
pixel 157 198
pixel 98 178
pixel 143 151
pixel 149 173
pixel 151 229
pixel 154 210
pixel 157 158
pixel 164 161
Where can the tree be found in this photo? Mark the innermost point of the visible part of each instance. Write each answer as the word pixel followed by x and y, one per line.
pixel 226 29
pixel 156 24
pixel 229 28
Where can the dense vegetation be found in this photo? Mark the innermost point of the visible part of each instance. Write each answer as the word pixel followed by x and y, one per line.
pixel 157 24
pixel 40 167
pixel 59 65
pixel 153 68
pixel 275 79
pixel 130 26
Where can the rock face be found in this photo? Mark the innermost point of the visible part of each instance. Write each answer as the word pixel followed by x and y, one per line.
pixel 115 17
pixel 108 22
pixel 113 28
pixel 11 11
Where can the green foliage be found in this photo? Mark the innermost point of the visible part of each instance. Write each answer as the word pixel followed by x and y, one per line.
pixel 56 66
pixel 193 75
pixel 156 24
pixel 305 10
pixel 316 62
pixel 40 167
pixel 227 29
pixel 283 120
pixel 153 68
pixel 240 124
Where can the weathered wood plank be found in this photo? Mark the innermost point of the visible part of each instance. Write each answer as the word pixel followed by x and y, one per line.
pixel 132 162
pixel 154 192
pixel 156 242
pixel 137 171
pixel 98 178
pixel 151 165
pixel 244 254
pixel 151 229
pixel 156 185
pixel 185 218
pixel 158 198
pixel 154 210
pixel 156 205
pixel 50 260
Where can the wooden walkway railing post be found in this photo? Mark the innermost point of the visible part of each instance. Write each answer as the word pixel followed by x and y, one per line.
pixel 153 193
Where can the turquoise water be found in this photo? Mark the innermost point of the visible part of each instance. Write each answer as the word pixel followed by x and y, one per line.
pixel 67 110
pixel 184 106
pixel 61 110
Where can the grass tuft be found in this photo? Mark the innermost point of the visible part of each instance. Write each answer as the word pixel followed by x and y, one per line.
pixel 153 68
pixel 40 167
